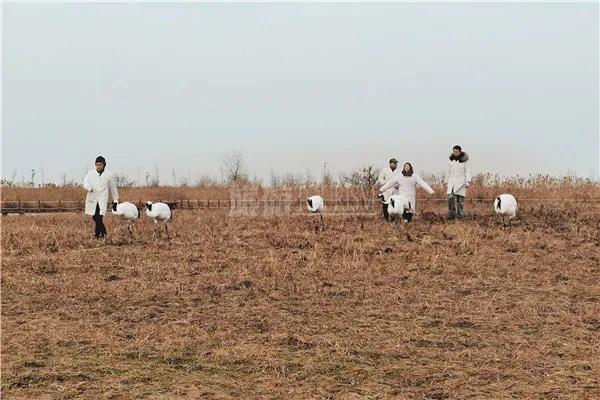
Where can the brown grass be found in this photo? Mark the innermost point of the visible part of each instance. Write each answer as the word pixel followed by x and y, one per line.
pixel 255 307
pixel 484 187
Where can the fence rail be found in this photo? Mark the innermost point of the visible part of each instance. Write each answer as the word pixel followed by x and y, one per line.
pixel 48 206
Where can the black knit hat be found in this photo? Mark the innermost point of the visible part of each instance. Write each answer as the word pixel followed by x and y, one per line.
pixel 101 159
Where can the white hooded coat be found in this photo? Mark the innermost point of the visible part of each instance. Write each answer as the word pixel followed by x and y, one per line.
pixel 385 175
pixel 97 187
pixel 407 186
pixel 459 175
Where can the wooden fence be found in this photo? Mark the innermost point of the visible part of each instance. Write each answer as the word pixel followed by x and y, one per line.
pixel 43 206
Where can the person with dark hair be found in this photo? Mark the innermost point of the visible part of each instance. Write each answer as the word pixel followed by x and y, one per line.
pixel 407 183
pixel 98 183
pixel 457 181
pixel 386 174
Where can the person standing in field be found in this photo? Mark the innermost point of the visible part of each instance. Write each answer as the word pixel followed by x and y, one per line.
pixel 98 182
pixel 385 175
pixel 407 183
pixel 458 180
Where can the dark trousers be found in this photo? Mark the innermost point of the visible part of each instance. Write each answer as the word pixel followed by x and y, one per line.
pixel 386 215
pixel 100 228
pixel 456 206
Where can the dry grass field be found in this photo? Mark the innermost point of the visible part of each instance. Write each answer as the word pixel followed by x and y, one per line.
pixel 256 307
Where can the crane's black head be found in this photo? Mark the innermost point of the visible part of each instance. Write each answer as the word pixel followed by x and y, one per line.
pixel 498 205
pixel 114 206
pixel 309 201
pixel 149 205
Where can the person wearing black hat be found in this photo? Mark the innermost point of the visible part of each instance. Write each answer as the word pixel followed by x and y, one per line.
pixel 385 175
pixel 98 183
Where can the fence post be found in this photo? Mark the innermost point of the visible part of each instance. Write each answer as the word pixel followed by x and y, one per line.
pixel 19 206
pixel 39 206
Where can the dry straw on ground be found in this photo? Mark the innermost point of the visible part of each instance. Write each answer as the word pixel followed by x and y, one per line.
pixel 258 307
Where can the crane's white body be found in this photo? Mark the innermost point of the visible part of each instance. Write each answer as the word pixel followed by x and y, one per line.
pixel 159 212
pixel 126 210
pixel 505 205
pixel 397 204
pixel 315 204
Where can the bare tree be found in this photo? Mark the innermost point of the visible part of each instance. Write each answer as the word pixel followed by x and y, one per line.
pixel 366 177
pixel 206 181
pixel 122 180
pixel 233 168
pixel 291 179
pixel 274 180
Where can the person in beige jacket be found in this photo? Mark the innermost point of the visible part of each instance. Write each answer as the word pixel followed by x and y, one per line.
pixel 98 183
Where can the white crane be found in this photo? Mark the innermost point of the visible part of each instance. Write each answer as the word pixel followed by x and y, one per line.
pixel 160 212
pixel 505 205
pixel 316 205
pixel 127 211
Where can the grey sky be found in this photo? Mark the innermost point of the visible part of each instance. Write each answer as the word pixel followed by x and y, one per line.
pixel 294 85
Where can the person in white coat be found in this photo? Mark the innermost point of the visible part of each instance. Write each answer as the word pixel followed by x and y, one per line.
pixel 458 180
pixel 407 183
pixel 98 183
pixel 386 174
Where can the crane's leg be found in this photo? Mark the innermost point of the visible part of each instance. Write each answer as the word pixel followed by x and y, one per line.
pixel 130 228
pixel 322 222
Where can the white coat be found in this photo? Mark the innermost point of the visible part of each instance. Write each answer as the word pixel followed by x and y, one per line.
pixel 385 175
pixel 97 187
pixel 459 175
pixel 407 186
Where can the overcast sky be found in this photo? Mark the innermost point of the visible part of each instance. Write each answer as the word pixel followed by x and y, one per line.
pixel 295 85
